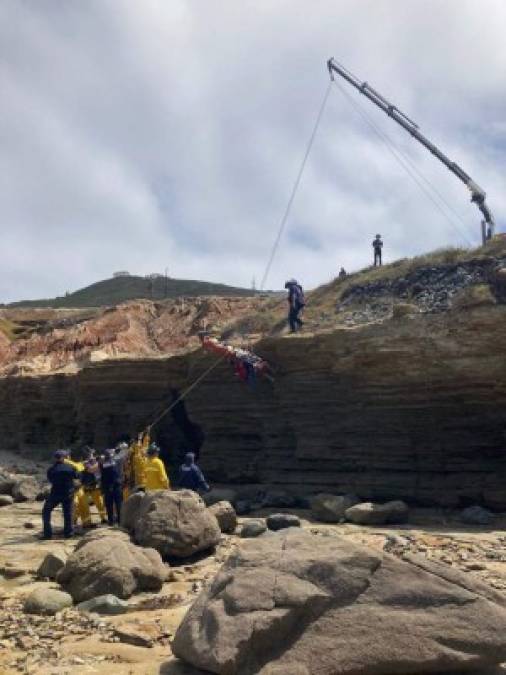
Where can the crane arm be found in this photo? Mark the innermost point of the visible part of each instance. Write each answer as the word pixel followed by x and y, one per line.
pixel 478 195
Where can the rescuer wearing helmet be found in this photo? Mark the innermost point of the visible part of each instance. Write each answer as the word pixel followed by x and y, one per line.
pixel 156 476
pixel 110 484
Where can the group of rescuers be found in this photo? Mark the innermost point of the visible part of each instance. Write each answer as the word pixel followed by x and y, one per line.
pixel 107 480
pixel 296 300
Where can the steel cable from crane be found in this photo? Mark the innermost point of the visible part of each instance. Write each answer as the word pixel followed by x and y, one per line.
pixel 403 160
pixel 295 187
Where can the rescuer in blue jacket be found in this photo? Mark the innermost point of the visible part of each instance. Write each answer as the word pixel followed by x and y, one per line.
pixel 190 475
pixel 61 476
pixel 111 485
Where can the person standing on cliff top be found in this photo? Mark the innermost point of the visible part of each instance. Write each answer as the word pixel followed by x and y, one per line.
pixel 377 245
pixel 296 303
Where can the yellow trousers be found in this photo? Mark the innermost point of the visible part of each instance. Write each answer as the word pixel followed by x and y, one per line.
pixel 82 499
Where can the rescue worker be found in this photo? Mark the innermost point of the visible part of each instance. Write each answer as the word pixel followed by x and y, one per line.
pixel 110 484
pixel 377 245
pixel 138 460
pixel 156 476
pixel 190 475
pixel 61 475
pixel 90 481
pixel 79 508
pixel 122 456
pixel 296 303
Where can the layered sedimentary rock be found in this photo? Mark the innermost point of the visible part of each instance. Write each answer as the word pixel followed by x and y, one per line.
pixel 411 408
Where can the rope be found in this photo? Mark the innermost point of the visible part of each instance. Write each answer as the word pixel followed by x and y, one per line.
pixel 183 395
pixel 403 161
pixel 295 187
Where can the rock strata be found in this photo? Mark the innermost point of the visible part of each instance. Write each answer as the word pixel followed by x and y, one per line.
pixel 298 603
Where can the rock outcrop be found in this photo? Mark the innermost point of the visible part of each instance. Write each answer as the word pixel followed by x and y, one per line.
pixel 299 603
pixel 177 524
pixel 106 563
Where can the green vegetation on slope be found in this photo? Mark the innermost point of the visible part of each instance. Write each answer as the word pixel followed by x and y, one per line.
pixel 120 289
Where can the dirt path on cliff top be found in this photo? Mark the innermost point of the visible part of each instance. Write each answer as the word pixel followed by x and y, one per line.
pixel 73 643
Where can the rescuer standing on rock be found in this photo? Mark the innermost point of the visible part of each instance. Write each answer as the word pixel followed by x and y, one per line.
pixel 377 245
pixel 61 476
pixel 111 485
pixel 190 475
pixel 156 476
pixel 296 303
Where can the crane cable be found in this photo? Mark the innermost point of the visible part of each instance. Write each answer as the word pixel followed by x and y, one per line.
pixel 284 219
pixel 286 213
pixel 406 163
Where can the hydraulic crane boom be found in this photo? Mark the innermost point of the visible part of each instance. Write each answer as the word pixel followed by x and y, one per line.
pixel 477 194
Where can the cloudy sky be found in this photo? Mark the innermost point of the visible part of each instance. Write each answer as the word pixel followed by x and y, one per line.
pixel 145 134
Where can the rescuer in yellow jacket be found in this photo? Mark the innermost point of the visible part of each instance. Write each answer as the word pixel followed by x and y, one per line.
pixel 79 508
pixel 156 476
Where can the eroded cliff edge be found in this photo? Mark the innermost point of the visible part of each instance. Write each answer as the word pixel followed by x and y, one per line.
pixel 412 407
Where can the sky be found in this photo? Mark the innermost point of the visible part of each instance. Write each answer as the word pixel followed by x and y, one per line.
pixel 154 135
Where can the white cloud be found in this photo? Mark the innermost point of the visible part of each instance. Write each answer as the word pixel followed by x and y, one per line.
pixel 145 135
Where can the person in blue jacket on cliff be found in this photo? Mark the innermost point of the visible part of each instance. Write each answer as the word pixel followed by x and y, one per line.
pixel 190 475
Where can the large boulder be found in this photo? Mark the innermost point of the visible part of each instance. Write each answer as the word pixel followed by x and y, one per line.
pixel 130 510
pixel 25 489
pixel 226 516
pixel 306 604
pixel 176 523
pixel 105 563
pixel 368 513
pixel 330 508
pixel 47 601
pixel 6 500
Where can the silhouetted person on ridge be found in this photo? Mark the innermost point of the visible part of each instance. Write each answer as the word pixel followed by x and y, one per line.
pixel 377 245
pixel 296 303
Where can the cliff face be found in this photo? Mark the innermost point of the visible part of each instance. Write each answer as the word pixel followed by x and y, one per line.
pixel 413 407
